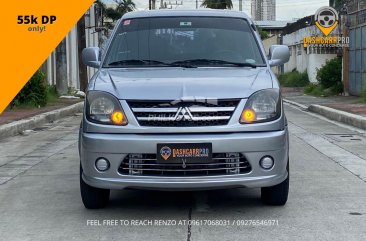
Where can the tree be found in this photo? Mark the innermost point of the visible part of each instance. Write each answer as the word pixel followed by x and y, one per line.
pixel 123 6
pixel 100 3
pixel 337 4
pixel 264 34
pixel 330 75
pixel 217 4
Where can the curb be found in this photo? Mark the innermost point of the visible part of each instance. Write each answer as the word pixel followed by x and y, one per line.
pixel 333 114
pixel 16 127
pixel 340 116
pixel 303 107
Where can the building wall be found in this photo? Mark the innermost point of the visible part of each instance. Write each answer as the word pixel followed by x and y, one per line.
pixel 72 59
pixel 267 43
pixel 306 59
pixel 316 61
pixel 91 35
pixel 263 10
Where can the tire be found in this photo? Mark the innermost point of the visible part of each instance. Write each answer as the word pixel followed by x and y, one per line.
pixel 276 195
pixel 92 197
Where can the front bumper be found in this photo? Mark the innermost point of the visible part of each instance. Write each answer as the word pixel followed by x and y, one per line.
pixel 115 147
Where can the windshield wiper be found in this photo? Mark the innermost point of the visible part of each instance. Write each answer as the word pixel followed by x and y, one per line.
pixel 149 62
pixel 216 61
pixel 136 62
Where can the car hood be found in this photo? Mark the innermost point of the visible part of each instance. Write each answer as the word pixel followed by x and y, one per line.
pixel 181 83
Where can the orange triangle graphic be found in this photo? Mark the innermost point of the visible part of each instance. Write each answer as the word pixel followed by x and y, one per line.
pixel 23 51
pixel 327 31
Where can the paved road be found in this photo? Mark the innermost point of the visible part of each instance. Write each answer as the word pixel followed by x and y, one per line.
pixel 39 193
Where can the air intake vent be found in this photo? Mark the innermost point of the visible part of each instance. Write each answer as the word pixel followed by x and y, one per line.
pixel 221 164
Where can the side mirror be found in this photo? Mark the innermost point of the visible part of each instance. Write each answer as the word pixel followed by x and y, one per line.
pixel 278 55
pixel 90 57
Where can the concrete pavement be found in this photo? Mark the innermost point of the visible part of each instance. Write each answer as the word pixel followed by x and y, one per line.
pixel 345 109
pixel 40 200
pixel 25 120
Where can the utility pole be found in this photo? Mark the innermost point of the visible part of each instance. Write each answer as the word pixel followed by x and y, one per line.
pixel 240 5
pixel 161 4
pixel 196 4
pixel 83 74
pixel 153 4
pixel 61 68
pixel 149 4
pixel 345 51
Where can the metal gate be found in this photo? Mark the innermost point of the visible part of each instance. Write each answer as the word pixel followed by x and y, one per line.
pixel 357 47
pixel 357 56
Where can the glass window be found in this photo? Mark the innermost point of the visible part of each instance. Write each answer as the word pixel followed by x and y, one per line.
pixel 165 40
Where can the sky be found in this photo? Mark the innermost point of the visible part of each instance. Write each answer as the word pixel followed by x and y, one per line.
pixel 285 9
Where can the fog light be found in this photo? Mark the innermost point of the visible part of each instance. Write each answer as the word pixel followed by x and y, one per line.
pixel 266 162
pixel 102 164
pixel 248 116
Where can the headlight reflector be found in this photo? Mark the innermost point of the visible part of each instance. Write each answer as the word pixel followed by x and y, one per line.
pixel 262 106
pixel 104 108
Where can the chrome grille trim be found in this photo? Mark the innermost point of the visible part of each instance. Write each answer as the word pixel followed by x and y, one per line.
pixel 185 114
pixel 174 110
pixel 208 118
pixel 154 110
pixel 181 170
pixel 220 164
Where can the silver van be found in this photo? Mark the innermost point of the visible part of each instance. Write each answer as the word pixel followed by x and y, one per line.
pixel 184 100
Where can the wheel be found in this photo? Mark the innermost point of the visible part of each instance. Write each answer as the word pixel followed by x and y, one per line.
pixel 276 195
pixel 93 198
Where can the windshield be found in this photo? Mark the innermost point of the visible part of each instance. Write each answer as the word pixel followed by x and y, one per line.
pixel 185 42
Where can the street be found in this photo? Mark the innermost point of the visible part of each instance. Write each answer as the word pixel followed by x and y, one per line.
pixel 40 198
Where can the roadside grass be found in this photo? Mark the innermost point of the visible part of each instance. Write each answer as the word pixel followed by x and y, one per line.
pixel 364 96
pixel 51 97
pixel 294 79
pixel 318 90
pixel 314 89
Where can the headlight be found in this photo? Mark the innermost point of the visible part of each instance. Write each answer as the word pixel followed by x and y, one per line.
pixel 104 108
pixel 262 106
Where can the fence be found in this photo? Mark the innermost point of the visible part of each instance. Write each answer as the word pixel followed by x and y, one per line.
pixel 357 49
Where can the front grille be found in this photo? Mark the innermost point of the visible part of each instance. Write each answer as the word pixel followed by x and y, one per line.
pixel 183 114
pixel 221 164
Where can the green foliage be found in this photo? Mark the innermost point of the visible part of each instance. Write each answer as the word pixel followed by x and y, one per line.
pixel 264 34
pixel 314 89
pixel 34 93
pixel 100 3
pixel 294 79
pixel 123 6
pixel 217 4
pixel 112 14
pixel 364 95
pixel 329 76
pixel 52 94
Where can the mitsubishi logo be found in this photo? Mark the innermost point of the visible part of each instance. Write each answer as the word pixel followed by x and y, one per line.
pixel 183 114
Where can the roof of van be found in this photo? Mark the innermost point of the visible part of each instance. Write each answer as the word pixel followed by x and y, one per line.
pixel 186 13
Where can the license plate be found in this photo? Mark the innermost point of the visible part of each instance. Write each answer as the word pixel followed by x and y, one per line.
pixel 187 152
